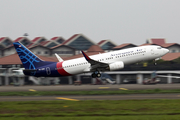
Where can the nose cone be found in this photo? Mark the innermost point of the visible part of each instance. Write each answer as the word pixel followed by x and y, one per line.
pixel 165 51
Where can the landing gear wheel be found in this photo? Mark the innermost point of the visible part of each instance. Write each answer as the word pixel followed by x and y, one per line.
pixel 98 75
pixel 93 75
pixel 155 62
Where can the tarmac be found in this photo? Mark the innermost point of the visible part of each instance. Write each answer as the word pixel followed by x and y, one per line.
pixel 90 88
pixel 91 97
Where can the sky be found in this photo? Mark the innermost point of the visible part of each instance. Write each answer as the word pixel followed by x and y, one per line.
pixel 121 21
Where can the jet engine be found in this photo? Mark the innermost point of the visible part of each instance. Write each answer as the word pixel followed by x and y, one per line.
pixel 116 65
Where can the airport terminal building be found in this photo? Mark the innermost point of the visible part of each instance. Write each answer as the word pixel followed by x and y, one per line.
pixel 70 49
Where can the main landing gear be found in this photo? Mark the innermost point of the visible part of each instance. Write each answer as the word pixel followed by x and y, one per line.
pixel 96 74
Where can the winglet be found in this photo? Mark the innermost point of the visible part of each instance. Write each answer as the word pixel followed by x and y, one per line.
pixel 86 57
pixel 59 58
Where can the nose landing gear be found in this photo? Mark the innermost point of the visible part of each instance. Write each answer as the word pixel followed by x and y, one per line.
pixel 155 63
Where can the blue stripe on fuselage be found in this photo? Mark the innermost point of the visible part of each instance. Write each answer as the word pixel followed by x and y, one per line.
pixel 47 71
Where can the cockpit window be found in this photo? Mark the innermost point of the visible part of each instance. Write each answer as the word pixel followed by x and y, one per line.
pixel 159 47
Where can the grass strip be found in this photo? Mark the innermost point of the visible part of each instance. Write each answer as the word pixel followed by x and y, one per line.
pixel 97 92
pixel 92 109
pixel 143 117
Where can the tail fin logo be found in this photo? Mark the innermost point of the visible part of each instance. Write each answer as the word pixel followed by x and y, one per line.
pixel 28 59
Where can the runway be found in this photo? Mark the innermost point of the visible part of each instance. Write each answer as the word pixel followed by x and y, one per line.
pixel 89 87
pixel 91 97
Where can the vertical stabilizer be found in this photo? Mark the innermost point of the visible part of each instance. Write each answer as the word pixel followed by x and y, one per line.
pixel 153 75
pixel 28 59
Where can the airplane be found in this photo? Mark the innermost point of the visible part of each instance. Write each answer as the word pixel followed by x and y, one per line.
pixel 166 76
pixel 110 61
pixel 153 80
pixel 169 76
pixel 108 78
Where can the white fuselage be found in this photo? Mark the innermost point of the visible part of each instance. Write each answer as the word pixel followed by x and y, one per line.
pixel 127 56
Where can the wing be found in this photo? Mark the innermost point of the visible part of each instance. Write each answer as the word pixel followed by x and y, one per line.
pixel 168 76
pixel 95 65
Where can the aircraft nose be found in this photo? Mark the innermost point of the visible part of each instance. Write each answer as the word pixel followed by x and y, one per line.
pixel 165 50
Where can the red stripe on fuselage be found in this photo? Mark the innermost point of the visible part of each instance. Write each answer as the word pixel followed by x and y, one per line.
pixel 61 70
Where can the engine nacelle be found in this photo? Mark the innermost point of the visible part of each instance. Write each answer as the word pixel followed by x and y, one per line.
pixel 116 65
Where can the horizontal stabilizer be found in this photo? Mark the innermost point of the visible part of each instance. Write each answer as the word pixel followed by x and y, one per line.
pixel 30 72
pixel 59 58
